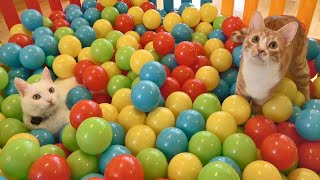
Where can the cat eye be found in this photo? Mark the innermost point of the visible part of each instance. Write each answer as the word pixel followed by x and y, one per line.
pixel 255 39
pixel 36 97
pixel 51 90
pixel 273 45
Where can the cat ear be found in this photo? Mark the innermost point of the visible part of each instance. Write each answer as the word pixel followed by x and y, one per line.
pixel 257 22
pixel 46 75
pixel 21 85
pixel 288 32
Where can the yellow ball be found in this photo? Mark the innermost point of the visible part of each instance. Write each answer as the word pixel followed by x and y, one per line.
pixel 127 40
pixel 149 46
pixel 221 59
pixel 138 2
pixel 139 58
pixel 221 124
pixel 159 119
pixel 140 137
pixel 208 12
pixel 204 28
pixel 121 98
pixel 278 108
pixel 102 27
pixel 151 19
pixel 63 66
pixel 25 136
pixel 316 84
pixel 184 166
pixel 191 16
pixel 177 102
pixel 288 88
pixel 109 112
pixel 106 3
pixel 303 174
pixel 209 76
pixel 133 34
pixel 70 45
pixel 85 54
pixel 299 99
pixel 261 170
pixel 137 14
pixel 238 107
pixel 170 20
pixel 111 68
pixel 18 28
pixel 129 116
pixel 212 45
pixel 2 117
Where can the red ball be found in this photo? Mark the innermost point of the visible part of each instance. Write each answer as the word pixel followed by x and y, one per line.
pixel 170 85
pixel 230 24
pixel 311 89
pixel 185 53
pixel 200 49
pixel 101 97
pixel 289 129
pixel 21 39
pixel 65 150
pixel 168 72
pixel 55 15
pixel 147 6
pixel 309 155
pixel 182 73
pixel 163 43
pixel 280 150
pixel 127 2
pixel 200 62
pixel 230 45
pixel 99 7
pixel 95 78
pixel 59 23
pixel 80 68
pixel 83 110
pixel 50 167
pixel 147 37
pixel 194 87
pixel 160 29
pixel 258 128
pixel 124 167
pixel 312 68
pixel 124 23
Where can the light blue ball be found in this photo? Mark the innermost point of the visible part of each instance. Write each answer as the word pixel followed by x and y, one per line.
pixel 153 71
pixel 295 113
pixel 169 61
pixel 19 72
pixel 181 32
pixel 308 124
pixel 48 44
pixel 218 34
pixel 313 49
pixel 230 76
pixel 40 31
pixel 110 153
pixel 71 7
pixel 145 96
pixel 233 89
pixel 32 57
pixel 162 12
pixel 317 63
pixel 312 104
pixel 229 161
pixel 77 22
pixel 88 4
pixel 9 54
pixel 31 19
pixel 118 134
pixel 3 178
pixel 44 136
pixel 73 14
pixel 172 141
pixel 86 35
pixel 222 90
pixel 190 122
pixel 162 102
pixel 121 7
pixel 92 175
pixel 140 29
pixel 77 94
pixel 10 88
pixel 184 6
pixel 236 55
pixel 92 15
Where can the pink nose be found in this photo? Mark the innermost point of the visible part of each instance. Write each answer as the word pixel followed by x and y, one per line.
pixel 260 51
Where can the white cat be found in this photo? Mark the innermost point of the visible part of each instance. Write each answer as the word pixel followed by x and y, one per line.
pixel 43 103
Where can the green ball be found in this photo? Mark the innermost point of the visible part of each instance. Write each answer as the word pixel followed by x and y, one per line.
pixel 11 107
pixel 218 171
pixel 68 137
pixel 205 145
pixel 101 50
pixel 113 37
pixel 17 157
pixel 4 78
pixel 154 163
pixel 155 55
pixel 241 148
pixel 51 149
pixel 207 104
pixel 82 164
pixel 199 37
pixel 217 23
pixel 123 56
pixel 94 135
pixel 47 22
pixel 1 100
pixel 34 78
pixel 110 14
pixel 117 82
pixel 135 81
pixel 10 127
pixel 49 60
pixel 63 31
pixel 132 75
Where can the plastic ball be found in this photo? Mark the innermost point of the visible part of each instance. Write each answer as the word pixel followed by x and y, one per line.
pixel 313 49
pixel 32 57
pixel 54 15
pixel 222 90
pixel 200 62
pixel 206 104
pixel 221 59
pixel 230 76
pixel 262 170
pixel 78 22
pixel 147 6
pixel 68 138
pixel 24 135
pixel 102 27
pixel 231 24
pixel 121 7
pixel 308 155
pixel 63 31
pixel 44 136
pixel 218 34
pixel 299 99
pixel 278 103
pixel 194 87
pixel 110 13
pixel 77 94
pixel 69 45
pixel 190 122
pixel 307 124
pixel 204 73
pixel 111 68
pixel 63 66
pixel 80 68
pixel 185 53
pixel 137 14
pixel 181 32
pixel 208 12
pixel 183 6
pixel 59 23
pixel 124 23
pixel 169 61
pixel 287 87
pixel 92 176
pixel 21 39
pixel 133 34
pixel 40 31
pixel 129 116
pixel 123 56
pixel 170 20
pixel 140 58
pixel 204 27
pixel 121 98
pixel 86 35
pixel 19 28
pixel 238 107
pixel 9 54
pixel 10 127
pixel 11 88
pixel 48 44
pixel 95 78
pixel 117 82
pixel 159 119
pixel 302 173
pixel 228 161
pixel 4 78
pixel 154 72
pixel 127 40
pixel 91 15
pixel 110 153
pixel 73 14
pixel 218 170
pixel 31 19
pixel 47 22
pixel 200 38
pixel 101 50
pixel 178 102
pixel 236 55
pixel 211 45
pixel 163 43
pixel 218 21
pixel 52 149
pixel 230 45
pixel 11 107
pixel 151 19
pixel 71 7
pixel 88 4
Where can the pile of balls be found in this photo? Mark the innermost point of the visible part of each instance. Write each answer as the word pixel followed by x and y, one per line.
pixel 157 100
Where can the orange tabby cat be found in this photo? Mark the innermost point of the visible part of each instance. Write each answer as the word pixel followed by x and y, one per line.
pixel 271 47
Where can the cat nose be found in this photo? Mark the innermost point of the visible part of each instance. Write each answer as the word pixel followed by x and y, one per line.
pixel 50 101
pixel 260 51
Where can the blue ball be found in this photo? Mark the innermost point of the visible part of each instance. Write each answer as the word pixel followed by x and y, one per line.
pixel 110 153
pixel 40 31
pixel 308 124
pixel 312 104
pixel 190 122
pixel 31 19
pixel 233 89
pixel 10 88
pixel 184 6
pixel 9 54
pixel 72 14
pixel 236 55
pixel 77 94
pixel 44 136
pixel 230 76
pixel 162 102
pixel 92 175
pixel 92 15
pixel 19 72
pixel 229 161
pixel 77 22
pixel 295 113
pixel 222 90
pixel 3 178
pixel 162 12
pixel 313 49
pixel 86 35
pixel 71 7
pixel 121 7
pixel 40 70
pixel 118 134
pixel 153 71
pixel 169 61
pixel 181 32
pixel 140 29
pixel 172 141
pixel 218 34
pixel 32 57
pixel 145 96
pixel 88 4
pixel 48 44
